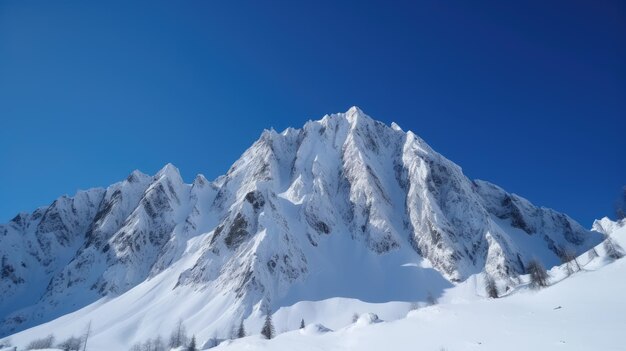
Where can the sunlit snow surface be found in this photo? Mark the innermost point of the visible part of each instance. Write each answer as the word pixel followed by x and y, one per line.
pixel 584 311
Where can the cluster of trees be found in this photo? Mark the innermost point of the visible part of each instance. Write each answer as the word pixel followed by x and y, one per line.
pixel 179 338
pixel 539 276
pixel 70 344
pixel 155 344
pixel 568 258
pixel 43 343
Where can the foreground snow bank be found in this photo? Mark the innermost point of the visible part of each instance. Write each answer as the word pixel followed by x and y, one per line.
pixel 583 312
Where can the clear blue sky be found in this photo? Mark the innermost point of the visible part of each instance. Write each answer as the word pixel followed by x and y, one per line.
pixel 530 95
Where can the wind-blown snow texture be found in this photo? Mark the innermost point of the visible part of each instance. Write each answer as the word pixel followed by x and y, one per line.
pixel 344 207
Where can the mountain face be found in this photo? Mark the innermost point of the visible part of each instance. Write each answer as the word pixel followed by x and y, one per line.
pixel 345 206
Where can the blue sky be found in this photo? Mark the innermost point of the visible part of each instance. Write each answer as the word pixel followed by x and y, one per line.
pixel 529 95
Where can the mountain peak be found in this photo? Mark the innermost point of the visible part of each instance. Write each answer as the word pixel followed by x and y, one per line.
pixel 136 176
pixel 200 180
pixel 355 116
pixel 355 110
pixel 168 171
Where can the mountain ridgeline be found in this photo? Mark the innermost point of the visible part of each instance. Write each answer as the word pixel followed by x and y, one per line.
pixel 345 206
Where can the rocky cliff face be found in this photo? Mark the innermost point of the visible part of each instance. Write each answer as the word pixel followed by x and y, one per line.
pixel 296 208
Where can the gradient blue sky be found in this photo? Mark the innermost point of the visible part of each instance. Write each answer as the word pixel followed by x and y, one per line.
pixel 530 95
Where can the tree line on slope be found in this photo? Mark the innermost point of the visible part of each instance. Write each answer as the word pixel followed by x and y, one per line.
pixel 48 342
pixel 539 276
pixel 179 338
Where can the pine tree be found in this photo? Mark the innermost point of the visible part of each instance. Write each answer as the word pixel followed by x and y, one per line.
pixel 192 344
pixel 538 274
pixel 491 287
pixel 241 332
pixel 302 324
pixel 178 337
pixel 43 343
pixel 268 328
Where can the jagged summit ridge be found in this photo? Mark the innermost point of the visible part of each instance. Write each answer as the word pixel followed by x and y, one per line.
pixel 301 210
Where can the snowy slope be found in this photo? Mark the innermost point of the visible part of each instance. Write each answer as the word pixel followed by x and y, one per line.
pixel 584 311
pixel 344 209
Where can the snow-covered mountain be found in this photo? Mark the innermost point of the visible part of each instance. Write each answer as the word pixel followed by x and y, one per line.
pixel 344 207
pixel 580 311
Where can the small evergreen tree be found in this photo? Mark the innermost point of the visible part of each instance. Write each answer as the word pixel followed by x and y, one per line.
pixel 538 274
pixel 178 337
pixel 43 343
pixel 241 332
pixel 302 324
pixel 355 317
pixel 613 249
pixel 268 328
pixel 192 344
pixel 491 287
